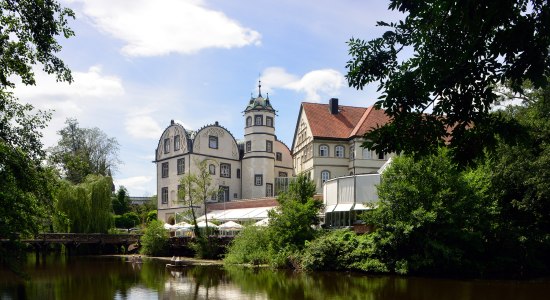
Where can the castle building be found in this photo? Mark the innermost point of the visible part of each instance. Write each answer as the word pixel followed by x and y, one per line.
pixel 328 137
pixel 244 169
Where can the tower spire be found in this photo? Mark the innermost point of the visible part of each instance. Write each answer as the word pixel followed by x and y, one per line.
pixel 259 87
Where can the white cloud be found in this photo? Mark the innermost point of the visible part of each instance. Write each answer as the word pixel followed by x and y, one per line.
pixel 137 185
pixel 314 83
pixel 142 126
pixel 152 28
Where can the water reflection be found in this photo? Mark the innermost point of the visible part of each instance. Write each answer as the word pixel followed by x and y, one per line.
pixel 115 278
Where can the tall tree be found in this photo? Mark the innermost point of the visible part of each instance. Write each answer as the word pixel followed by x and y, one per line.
pixel 121 201
pixel 84 151
pixel 459 51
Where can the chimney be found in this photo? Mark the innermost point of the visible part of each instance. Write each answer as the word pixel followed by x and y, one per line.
pixel 171 122
pixel 333 106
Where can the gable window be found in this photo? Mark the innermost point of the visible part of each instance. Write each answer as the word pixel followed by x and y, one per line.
pixel 212 169
pixel 164 169
pixel 269 146
pixel 164 195
pixel 283 174
pixel 279 156
pixel 166 145
pixel 248 121
pixel 225 170
pixel 367 154
pixel 181 166
pixel 177 143
pixel 323 150
pixel 269 189
pixel 213 142
pixel 238 174
pixel 325 175
pixel 269 121
pixel 339 151
pixel 248 146
pixel 258 179
pixel 258 120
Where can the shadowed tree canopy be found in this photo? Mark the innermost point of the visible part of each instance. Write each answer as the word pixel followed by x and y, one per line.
pixel 84 151
pixel 459 51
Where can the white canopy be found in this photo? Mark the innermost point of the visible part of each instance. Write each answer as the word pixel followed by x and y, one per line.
pixel 182 225
pixel 167 226
pixel 231 225
pixel 202 224
pixel 253 213
pixel 263 222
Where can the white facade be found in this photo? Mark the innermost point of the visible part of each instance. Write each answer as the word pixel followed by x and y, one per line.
pixel 240 170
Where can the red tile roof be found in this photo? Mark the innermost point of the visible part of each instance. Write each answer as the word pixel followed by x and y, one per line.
pixel 350 121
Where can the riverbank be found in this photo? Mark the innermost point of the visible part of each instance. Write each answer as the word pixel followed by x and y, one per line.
pixel 185 260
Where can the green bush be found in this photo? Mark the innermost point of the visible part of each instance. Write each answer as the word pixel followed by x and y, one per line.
pixel 151 215
pixel 250 246
pixel 155 239
pixel 127 220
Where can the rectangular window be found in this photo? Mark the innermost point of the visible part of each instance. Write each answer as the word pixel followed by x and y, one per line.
pixel 269 146
pixel 181 166
pixel 258 120
pixel 269 189
pixel 258 179
pixel 238 173
pixel 248 146
pixel 223 194
pixel 283 174
pixel 213 142
pixel 164 195
pixel 381 156
pixel 166 145
pixel 225 170
pixel 269 121
pixel 279 156
pixel 176 143
pixel 164 169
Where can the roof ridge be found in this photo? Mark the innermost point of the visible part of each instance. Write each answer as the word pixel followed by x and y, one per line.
pixel 361 121
pixel 339 105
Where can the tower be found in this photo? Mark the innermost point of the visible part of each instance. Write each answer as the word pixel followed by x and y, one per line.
pixel 259 157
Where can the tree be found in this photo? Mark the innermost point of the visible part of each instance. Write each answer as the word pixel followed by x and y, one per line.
pixel 121 201
pixel 28 29
pixel 84 151
pixel 155 239
pixel 291 222
pixel 460 51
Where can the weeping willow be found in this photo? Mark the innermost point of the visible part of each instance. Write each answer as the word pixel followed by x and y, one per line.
pixel 85 207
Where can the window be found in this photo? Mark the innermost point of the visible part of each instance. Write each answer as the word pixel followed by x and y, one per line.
pixel 367 154
pixel 323 150
pixel 381 155
pixel 258 179
pixel 164 169
pixel 283 174
pixel 269 189
pixel 248 121
pixel 164 195
pixel 269 146
pixel 248 146
pixel 213 142
pixel 176 143
pixel 351 153
pixel 223 194
pixel 325 175
pixel 279 156
pixel 212 169
pixel 258 120
pixel 269 121
pixel 181 166
pixel 339 151
pixel 225 170
pixel 238 173
pixel 166 145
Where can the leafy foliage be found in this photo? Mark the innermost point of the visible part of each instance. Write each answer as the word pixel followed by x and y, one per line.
pixel 121 201
pixel 460 51
pixel 155 239
pixel 84 151
pixel 127 220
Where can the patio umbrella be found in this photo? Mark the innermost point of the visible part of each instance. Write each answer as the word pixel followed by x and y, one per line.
pixel 210 225
pixel 231 225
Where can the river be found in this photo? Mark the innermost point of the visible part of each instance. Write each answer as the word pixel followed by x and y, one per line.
pixel 60 277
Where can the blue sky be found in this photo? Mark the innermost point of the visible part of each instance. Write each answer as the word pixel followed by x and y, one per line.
pixel 138 64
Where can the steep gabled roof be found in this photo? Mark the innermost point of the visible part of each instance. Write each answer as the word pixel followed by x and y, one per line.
pixel 350 121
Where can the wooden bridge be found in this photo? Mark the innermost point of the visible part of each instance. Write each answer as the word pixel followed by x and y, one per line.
pixel 83 238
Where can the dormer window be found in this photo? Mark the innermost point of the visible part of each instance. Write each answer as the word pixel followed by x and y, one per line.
pixel 258 120
pixel 166 145
pixel 177 143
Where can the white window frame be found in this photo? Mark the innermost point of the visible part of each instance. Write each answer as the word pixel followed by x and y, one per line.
pixel 269 121
pixel 177 142
pixel 259 120
pixel 165 169
pixel 339 151
pixel 269 189
pixel 225 170
pixel 324 149
pixel 367 153
pixel 213 142
pixel 269 146
pixel 212 169
pixel 325 175
pixel 167 145
pixel 248 121
pixel 164 195
pixel 258 180
pixel 181 165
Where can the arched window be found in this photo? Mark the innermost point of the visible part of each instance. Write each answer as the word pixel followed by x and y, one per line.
pixel 249 121
pixel 325 175
pixel 367 153
pixel 323 150
pixel 212 169
pixel 339 151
